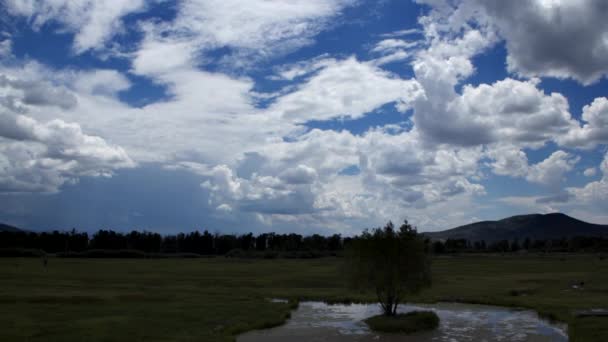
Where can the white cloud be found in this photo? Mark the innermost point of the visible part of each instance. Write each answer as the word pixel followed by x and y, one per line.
pixel 337 91
pixel 590 172
pixel 397 175
pixel 303 68
pixel 260 194
pixel 391 58
pixel 508 161
pixel 393 50
pixel 43 156
pixel 401 33
pixel 392 45
pixel 508 111
pixel 36 93
pixel 101 82
pixel 300 174
pixel 40 156
pixel 6 47
pixel 254 29
pixel 513 162
pixel 595 129
pixel 92 22
pixel 553 169
pixel 594 193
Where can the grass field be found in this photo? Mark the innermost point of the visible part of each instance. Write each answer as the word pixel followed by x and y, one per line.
pixel 214 299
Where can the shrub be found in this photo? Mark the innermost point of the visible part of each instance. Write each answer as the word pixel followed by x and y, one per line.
pixel 392 263
pixel 105 253
pixel 236 253
pixel 21 252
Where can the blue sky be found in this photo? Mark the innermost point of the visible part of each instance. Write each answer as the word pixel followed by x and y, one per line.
pixel 305 116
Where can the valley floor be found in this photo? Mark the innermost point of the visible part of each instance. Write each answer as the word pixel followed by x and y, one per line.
pixel 215 299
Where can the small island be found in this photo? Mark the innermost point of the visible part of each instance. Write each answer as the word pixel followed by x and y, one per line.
pixel 407 323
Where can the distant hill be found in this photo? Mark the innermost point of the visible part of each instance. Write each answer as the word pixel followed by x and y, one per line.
pixel 7 228
pixel 534 226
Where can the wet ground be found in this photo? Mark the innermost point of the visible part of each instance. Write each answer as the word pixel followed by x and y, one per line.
pixel 319 322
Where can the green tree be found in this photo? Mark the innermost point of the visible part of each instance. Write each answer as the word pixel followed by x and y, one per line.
pixel 393 263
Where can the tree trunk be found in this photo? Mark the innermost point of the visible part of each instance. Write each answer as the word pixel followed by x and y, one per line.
pixel 388 303
pixel 395 307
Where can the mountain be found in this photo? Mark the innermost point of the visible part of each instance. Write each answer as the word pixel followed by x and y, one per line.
pixel 7 228
pixel 534 226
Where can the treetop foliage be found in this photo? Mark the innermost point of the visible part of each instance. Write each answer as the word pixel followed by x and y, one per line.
pixel 392 262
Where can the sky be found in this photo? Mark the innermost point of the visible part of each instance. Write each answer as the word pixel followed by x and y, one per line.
pixel 307 116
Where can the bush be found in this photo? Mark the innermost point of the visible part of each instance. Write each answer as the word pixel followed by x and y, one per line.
pixel 21 252
pixel 271 255
pixel 404 323
pixel 393 263
pixel 105 253
pixel 236 253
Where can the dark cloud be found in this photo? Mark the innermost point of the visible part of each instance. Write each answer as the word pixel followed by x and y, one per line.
pixel 558 198
pixel 565 39
pixel 40 93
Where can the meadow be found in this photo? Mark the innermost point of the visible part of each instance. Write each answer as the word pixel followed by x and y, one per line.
pixel 214 299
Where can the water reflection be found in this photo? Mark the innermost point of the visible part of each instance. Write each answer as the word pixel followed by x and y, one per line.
pixel 316 321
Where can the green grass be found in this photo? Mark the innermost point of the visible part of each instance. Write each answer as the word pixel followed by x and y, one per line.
pixel 215 299
pixel 408 323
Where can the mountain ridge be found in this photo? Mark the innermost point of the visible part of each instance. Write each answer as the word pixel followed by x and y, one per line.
pixel 9 228
pixel 532 226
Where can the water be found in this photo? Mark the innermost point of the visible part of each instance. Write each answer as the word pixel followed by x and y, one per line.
pixel 320 322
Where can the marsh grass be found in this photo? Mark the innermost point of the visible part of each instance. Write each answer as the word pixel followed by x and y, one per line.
pixel 407 323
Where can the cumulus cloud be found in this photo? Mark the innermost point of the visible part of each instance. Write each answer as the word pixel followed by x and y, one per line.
pixel 509 111
pixel 595 129
pixel 594 193
pixel 37 93
pixel 92 22
pixel 300 174
pixel 259 194
pixel 536 33
pixel 557 38
pixel 511 161
pixel 396 172
pixel 508 161
pixel 43 156
pixel 552 170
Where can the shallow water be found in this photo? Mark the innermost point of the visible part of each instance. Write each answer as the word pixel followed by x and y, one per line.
pixel 320 322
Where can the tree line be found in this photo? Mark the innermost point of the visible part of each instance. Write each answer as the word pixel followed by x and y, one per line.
pixel 577 244
pixel 267 245
pixel 200 243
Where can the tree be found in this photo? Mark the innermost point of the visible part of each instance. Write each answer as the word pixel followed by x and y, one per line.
pixel 515 246
pixel 392 263
pixel 527 243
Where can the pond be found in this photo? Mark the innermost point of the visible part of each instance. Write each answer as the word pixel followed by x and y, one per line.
pixel 320 322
